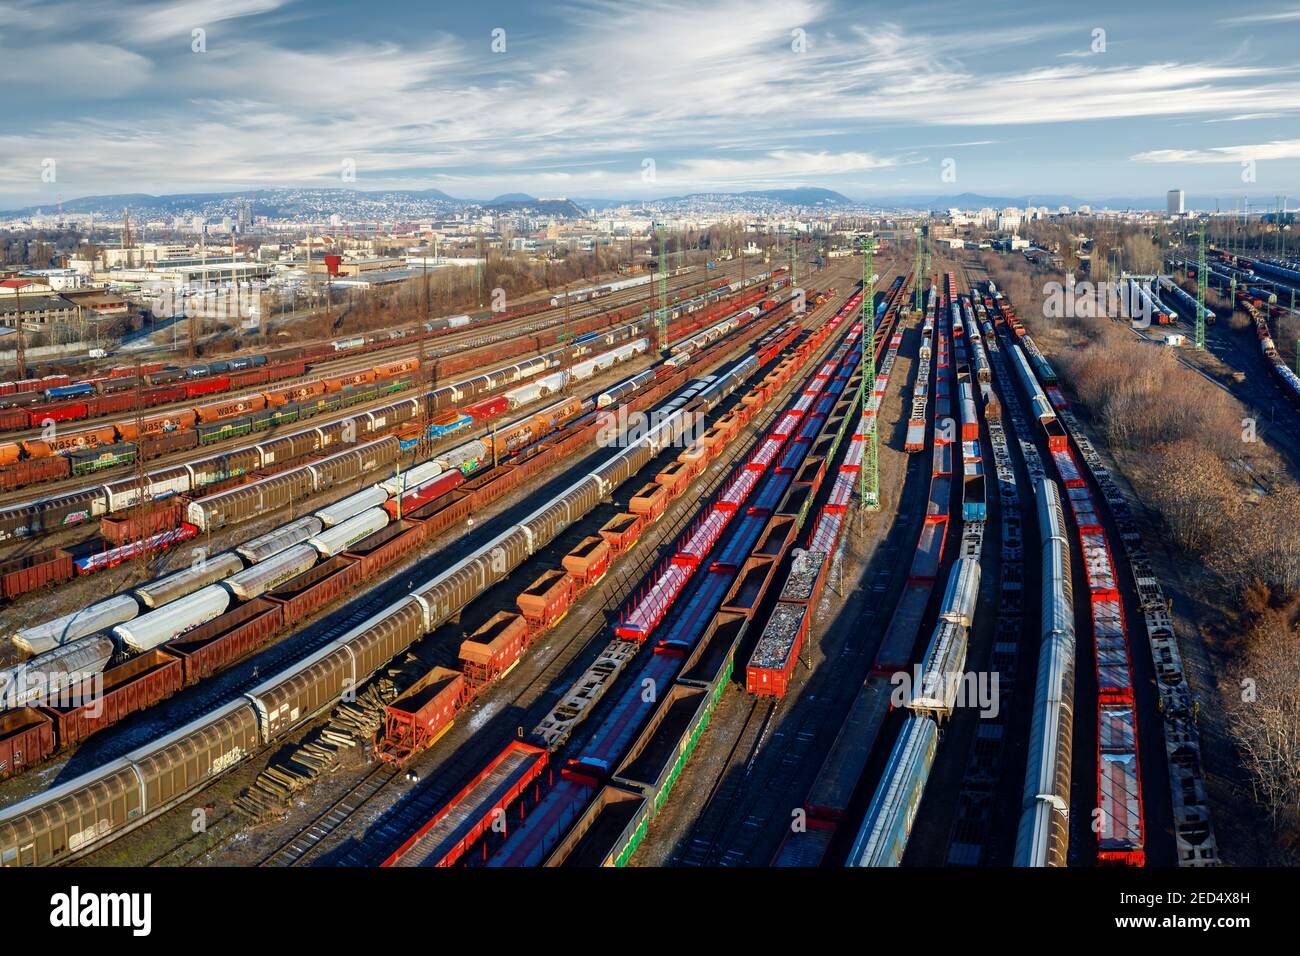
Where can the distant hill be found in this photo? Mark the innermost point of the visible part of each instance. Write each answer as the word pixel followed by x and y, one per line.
pixel 1051 200
pixel 275 203
pixel 555 208
pixel 802 196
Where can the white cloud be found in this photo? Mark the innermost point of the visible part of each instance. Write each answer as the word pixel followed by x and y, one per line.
pixel 1277 16
pixel 1260 152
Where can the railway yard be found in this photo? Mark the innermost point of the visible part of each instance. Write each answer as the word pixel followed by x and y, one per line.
pixel 787 572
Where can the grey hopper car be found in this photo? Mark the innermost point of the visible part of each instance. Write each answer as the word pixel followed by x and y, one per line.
pixel 188 580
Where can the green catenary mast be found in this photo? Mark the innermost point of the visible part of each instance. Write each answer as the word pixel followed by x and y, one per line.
pixel 1202 285
pixel 869 471
pixel 662 323
pixel 916 272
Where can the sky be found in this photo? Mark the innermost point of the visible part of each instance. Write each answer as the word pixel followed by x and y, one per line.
pixel 616 99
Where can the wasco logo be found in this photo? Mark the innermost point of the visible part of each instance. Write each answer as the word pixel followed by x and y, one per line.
pixel 76 909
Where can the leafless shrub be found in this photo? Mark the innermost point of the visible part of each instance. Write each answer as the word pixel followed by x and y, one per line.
pixel 1143 396
pixel 1196 494
pixel 1264 718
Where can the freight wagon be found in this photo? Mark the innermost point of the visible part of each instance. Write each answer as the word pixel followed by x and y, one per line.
pixel 223 738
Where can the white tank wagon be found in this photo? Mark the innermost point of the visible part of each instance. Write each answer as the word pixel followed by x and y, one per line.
pixel 147 631
pixel 174 586
pixel 1043 836
pixel 46 674
pixel 281 539
pixel 352 505
pixel 412 478
pixel 625 388
pixel 339 538
pixel 271 573
pixel 89 620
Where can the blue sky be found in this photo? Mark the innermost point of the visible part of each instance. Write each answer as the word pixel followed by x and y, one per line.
pixel 1023 98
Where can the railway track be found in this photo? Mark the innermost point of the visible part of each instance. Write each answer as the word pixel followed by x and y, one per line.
pixel 391 591
pixel 404 818
pixel 338 813
pixel 768 766
pixel 322 369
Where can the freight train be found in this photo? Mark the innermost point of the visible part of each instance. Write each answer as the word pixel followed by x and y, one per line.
pixel 103 803
pixel 1186 300
pixel 21 464
pixel 939 682
pixel 1043 835
pixel 1290 381
pixel 1121 827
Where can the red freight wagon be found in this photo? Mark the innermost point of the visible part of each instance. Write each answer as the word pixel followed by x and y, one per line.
pixel 12 418
pixel 312 590
pixel 777 651
pixel 112 404
pixel 129 687
pixel 162 516
pixel 494 648
pixel 162 394
pixel 421 715
pixel 252 376
pixel 68 412
pixel 275 373
pixel 588 562
pixel 486 409
pixel 33 470
pixel 226 639
pixel 166 443
pixel 457 826
pixel 390 543
pixel 207 386
pixel 622 530
pixel 429 491
pixel 34 571
pixel 546 600
pixel 26 738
